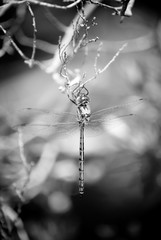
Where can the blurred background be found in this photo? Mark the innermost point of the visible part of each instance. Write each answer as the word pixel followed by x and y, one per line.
pixel 122 198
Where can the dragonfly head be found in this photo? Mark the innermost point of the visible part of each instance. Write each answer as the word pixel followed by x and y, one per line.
pixel 82 100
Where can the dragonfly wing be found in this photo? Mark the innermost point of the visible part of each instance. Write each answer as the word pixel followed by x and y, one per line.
pixel 28 114
pixel 45 130
pixel 119 109
pixel 98 126
pixel 40 122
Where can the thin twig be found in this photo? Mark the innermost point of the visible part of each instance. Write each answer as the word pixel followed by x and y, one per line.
pixel 13 26
pixel 45 4
pixel 55 62
pixel 97 57
pixel 40 44
pixel 117 10
pixel 27 167
pixel 27 60
pixel 34 31
pixel 113 59
pixel 4 8
pixel 13 43
pixel 21 149
pixel 99 71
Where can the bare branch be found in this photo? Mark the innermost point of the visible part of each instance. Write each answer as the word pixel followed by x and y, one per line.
pixel 27 60
pixel 4 8
pixel 27 167
pixel 13 43
pixel 113 59
pixel 34 32
pixel 55 63
pixel 44 4
pixel 99 71
pixel 21 149
pixel 40 44
pixel 13 26
pixel 104 5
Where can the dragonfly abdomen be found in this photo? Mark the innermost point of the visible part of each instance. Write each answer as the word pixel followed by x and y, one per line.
pixel 81 161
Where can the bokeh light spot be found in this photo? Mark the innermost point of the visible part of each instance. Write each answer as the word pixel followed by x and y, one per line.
pixel 59 202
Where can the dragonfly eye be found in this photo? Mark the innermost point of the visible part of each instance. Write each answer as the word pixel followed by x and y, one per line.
pixel 82 99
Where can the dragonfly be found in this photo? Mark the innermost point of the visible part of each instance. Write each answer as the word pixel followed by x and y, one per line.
pixel 84 118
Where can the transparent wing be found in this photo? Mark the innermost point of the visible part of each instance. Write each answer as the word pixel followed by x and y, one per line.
pixel 39 122
pixel 30 113
pixel 97 126
pixel 116 109
pixel 40 128
pixel 111 117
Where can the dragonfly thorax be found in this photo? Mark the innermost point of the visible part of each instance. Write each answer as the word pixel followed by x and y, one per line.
pixel 83 114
